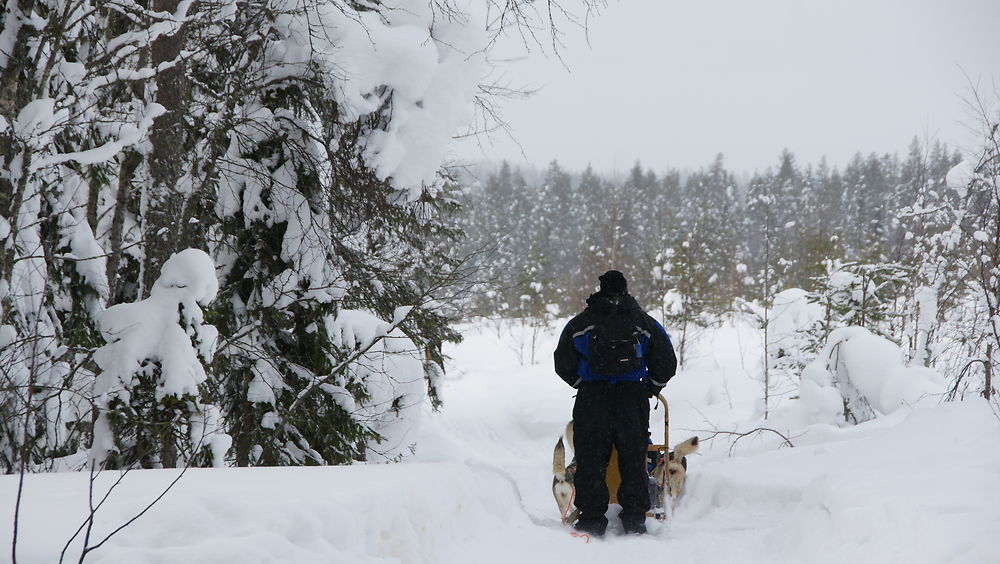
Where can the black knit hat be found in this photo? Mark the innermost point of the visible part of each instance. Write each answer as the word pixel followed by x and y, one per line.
pixel 613 282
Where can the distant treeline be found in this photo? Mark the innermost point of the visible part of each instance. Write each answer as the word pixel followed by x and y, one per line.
pixel 704 235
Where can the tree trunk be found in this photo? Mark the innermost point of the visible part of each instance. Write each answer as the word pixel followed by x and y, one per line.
pixel 164 225
pixel 988 369
pixel 125 173
pixel 168 447
pixel 16 90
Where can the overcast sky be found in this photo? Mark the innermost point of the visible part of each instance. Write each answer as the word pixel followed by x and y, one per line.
pixel 672 83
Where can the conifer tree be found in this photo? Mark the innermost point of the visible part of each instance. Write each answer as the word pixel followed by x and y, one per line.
pixel 593 246
pixel 129 131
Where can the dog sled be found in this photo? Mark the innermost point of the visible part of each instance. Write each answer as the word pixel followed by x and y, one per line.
pixel 657 464
pixel 666 469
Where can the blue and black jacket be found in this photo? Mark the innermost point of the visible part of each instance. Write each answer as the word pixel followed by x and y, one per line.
pixel 656 353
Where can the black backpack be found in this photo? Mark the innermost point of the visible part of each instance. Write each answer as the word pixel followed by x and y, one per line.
pixel 614 346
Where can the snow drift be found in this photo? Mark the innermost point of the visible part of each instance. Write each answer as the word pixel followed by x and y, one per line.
pixel 914 486
pixel 860 376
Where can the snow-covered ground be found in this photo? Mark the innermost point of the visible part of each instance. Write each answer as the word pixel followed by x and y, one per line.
pixel 919 485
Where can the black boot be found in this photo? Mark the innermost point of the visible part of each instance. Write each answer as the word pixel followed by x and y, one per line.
pixel 634 527
pixel 593 527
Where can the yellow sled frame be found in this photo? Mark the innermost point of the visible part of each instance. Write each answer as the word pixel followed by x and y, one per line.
pixel 614 478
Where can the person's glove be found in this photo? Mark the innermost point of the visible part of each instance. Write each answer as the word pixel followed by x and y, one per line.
pixel 652 389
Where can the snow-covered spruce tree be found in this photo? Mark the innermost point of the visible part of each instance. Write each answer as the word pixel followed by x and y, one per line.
pixel 505 218
pixel 818 242
pixel 709 238
pixel 790 341
pixel 331 203
pixel 529 276
pixel 55 290
pixel 664 223
pixel 694 271
pixel 153 404
pixel 487 232
pixel 558 235
pixel 65 112
pixel 861 207
pixel 310 114
pixel 862 295
pixel 594 244
pixel 760 226
pixel 634 239
pixel 765 238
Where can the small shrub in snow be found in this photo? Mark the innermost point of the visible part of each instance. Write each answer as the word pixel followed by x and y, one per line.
pixel 787 326
pixel 151 386
pixel 868 375
pixel 856 294
pixel 789 344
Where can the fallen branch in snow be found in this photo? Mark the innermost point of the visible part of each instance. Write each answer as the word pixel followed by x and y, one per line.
pixel 88 523
pixel 712 433
pixel 20 479
pixel 953 392
pixel 90 519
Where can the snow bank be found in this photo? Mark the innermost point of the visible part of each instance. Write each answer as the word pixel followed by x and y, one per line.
pixel 873 366
pixel 916 486
pixel 865 374
pixel 415 513
pixel 920 490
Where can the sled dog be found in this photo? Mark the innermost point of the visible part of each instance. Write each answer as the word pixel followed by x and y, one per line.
pixel 675 465
pixel 563 488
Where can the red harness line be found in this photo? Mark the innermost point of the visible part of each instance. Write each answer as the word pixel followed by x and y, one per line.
pixel 565 516
pixel 569 506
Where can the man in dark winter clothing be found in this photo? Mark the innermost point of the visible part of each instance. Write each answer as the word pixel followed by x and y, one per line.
pixel 617 357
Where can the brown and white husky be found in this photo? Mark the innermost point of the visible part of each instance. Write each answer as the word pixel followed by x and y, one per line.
pixel 675 464
pixel 563 487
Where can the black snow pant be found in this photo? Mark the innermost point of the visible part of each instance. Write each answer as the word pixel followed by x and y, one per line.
pixel 607 414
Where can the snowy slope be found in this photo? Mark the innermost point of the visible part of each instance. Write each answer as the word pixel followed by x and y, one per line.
pixel 917 486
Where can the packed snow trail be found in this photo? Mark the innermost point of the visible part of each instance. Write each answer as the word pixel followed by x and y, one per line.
pixel 918 486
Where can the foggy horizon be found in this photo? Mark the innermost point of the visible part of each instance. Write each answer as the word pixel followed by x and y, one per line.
pixel 671 85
